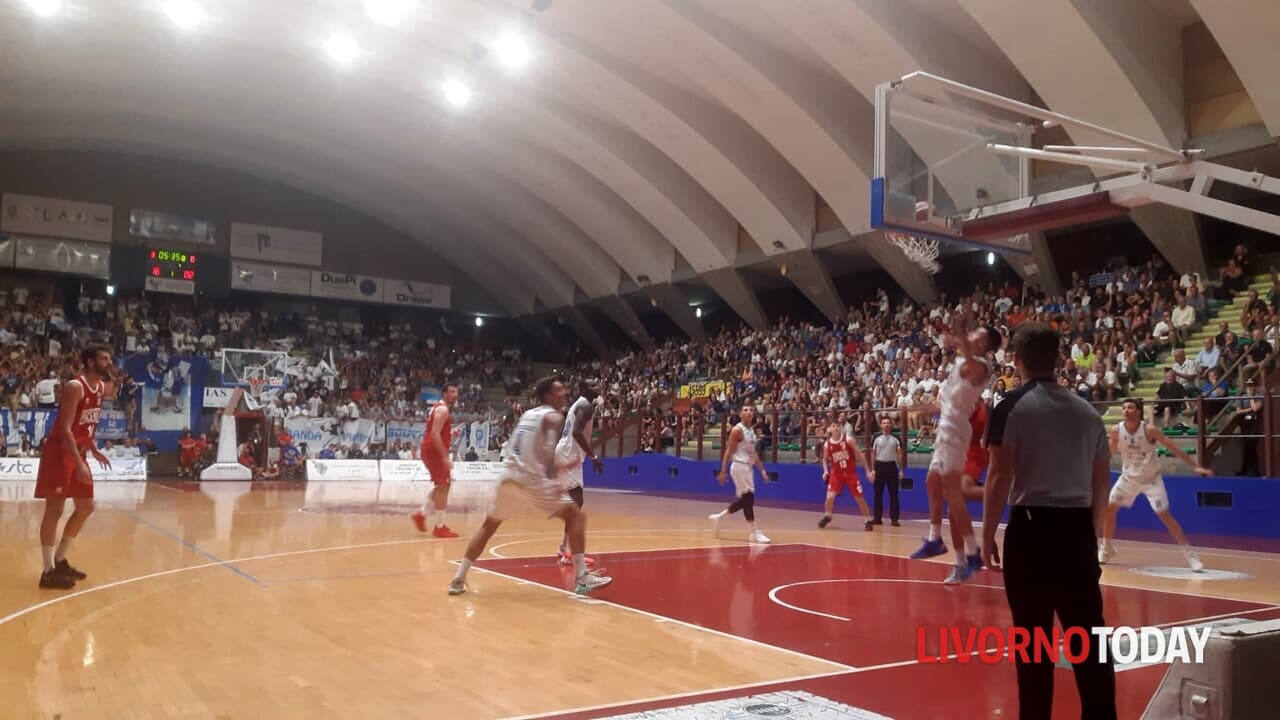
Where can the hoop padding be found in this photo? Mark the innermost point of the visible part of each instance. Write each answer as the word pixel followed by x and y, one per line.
pixel 921 250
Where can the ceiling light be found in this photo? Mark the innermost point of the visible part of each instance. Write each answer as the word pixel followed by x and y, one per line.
pixel 991 258
pixel 111 289
pixel 512 50
pixel 479 321
pixel 44 7
pixel 387 12
pixel 697 312
pixel 186 14
pixel 457 93
pixel 342 49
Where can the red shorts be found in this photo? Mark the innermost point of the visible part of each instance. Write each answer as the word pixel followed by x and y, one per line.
pixel 975 463
pixel 57 478
pixel 835 483
pixel 437 466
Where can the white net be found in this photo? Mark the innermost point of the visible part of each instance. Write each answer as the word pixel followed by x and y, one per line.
pixel 921 250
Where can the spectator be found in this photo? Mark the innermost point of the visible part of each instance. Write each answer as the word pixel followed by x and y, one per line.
pixel 1258 356
pixel 1209 357
pixel 1183 319
pixel 1171 396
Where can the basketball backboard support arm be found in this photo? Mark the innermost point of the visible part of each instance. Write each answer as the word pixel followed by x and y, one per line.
pixel 952 163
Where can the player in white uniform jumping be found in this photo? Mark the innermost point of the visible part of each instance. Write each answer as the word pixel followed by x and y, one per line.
pixel 741 450
pixel 573 450
pixel 959 395
pixel 1136 441
pixel 530 476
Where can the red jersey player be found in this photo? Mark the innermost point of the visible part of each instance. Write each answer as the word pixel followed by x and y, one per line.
pixel 64 473
pixel 840 470
pixel 435 455
pixel 975 464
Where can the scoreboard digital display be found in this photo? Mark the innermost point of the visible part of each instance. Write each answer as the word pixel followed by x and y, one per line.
pixel 172 265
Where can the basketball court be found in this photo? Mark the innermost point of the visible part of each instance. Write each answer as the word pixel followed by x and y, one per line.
pixel 322 601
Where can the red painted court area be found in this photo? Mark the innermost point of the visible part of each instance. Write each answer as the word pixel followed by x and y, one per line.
pixel 861 610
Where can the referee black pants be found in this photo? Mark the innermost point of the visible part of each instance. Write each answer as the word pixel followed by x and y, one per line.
pixel 886 476
pixel 1051 566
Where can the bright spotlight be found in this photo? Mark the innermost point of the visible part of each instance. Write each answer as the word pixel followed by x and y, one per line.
pixel 186 14
pixel 342 48
pixel 479 321
pixel 45 8
pixel 697 312
pixel 387 12
pixel 991 258
pixel 457 93
pixel 512 50
pixel 111 289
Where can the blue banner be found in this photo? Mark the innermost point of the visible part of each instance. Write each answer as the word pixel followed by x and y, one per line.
pixel 430 394
pixel 34 424
pixel 168 383
pixel 112 425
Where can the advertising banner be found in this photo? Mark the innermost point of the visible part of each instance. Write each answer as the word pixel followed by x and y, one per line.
pixel 156 225
pixel 261 242
pixel 56 218
pixel 63 256
pixel 217 397
pixel 133 468
pixel 417 294
pixel 257 277
pixel 344 286
pixel 340 470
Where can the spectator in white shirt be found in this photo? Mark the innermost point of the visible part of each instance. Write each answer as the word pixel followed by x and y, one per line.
pixel 46 391
pixel 1183 317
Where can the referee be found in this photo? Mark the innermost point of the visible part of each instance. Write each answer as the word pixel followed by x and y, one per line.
pixel 1051 461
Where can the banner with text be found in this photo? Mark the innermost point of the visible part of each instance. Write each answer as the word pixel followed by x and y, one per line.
pixel 217 397
pixel 338 470
pixel 133 468
pixel 261 242
pixel 417 294
pixel 56 218
pixel 257 277
pixel 112 425
pixel 344 286
pixel 709 388
pixel 156 225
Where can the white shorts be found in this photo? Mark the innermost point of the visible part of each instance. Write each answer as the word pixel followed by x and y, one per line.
pixel 1127 489
pixel 544 495
pixel 948 458
pixel 744 478
pixel 571 476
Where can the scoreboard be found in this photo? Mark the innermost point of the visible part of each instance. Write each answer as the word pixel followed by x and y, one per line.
pixel 171 271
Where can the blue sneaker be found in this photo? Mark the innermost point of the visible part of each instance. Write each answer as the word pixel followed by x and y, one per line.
pixel 930 548
pixel 960 573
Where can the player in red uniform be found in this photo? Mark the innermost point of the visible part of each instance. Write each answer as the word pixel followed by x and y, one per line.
pixel 840 470
pixel 64 473
pixel 435 455
pixel 975 464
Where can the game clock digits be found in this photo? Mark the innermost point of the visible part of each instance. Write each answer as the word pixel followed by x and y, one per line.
pixel 172 265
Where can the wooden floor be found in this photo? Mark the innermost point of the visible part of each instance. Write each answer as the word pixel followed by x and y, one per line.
pixel 233 600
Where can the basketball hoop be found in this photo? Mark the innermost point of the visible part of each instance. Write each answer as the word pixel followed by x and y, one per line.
pixel 256 383
pixel 921 250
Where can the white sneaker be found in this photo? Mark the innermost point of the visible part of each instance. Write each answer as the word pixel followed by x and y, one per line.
pixel 457 587
pixel 715 523
pixel 1193 560
pixel 758 537
pixel 591 582
pixel 1105 554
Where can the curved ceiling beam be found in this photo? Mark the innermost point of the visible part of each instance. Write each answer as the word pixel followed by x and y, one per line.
pixel 586 47
pixel 1246 30
pixel 334 178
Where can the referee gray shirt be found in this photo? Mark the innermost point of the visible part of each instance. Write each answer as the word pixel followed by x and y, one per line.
pixel 885 448
pixel 1054 437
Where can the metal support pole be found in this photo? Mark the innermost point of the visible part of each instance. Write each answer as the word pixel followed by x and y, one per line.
pixel 702 432
pixel 679 433
pixel 1267 426
pixel 804 437
pixel 1201 427
pixel 774 435
pixel 902 446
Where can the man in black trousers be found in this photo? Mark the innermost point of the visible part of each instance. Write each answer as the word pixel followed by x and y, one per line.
pixel 884 473
pixel 1051 461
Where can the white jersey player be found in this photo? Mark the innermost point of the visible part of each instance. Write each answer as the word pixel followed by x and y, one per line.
pixel 573 450
pixel 958 397
pixel 529 476
pixel 741 451
pixel 1136 441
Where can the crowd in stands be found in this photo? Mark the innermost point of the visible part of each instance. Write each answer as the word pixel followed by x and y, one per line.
pixel 881 356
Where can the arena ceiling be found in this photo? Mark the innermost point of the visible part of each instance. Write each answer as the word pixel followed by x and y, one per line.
pixel 607 146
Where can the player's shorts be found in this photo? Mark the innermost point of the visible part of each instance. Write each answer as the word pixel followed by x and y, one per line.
pixel 515 491
pixel 948 458
pixel 744 478
pixel 569 451
pixel 975 463
pixel 437 466
pixel 837 482
pixel 56 478
pixel 1127 489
